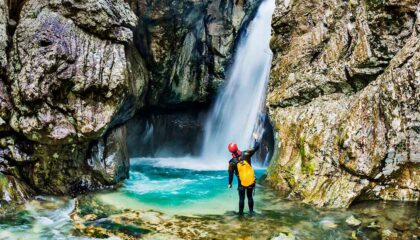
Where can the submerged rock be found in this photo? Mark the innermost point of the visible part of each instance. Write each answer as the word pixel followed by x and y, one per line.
pixel 343 101
pixel 284 236
pixel 352 221
pixel 328 224
pixel 389 235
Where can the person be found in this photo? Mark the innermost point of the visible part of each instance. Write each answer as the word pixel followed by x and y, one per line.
pixel 241 166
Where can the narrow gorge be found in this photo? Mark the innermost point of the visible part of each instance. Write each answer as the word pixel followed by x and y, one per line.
pixel 75 71
pixel 115 117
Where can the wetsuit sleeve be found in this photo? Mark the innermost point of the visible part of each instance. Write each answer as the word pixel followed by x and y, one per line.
pixel 254 149
pixel 231 171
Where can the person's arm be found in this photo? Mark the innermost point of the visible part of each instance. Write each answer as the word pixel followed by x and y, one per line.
pixel 254 148
pixel 231 171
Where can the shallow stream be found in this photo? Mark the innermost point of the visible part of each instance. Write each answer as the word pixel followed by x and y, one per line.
pixel 178 199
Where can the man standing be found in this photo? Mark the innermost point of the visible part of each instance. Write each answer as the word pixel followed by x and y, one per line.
pixel 240 165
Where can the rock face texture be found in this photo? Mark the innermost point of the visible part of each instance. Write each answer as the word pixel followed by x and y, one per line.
pixel 187 45
pixel 73 72
pixel 344 100
pixel 166 133
pixel 72 75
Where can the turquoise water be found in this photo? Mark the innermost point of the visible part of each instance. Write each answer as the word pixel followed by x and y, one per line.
pixel 174 186
pixel 192 199
pixel 41 218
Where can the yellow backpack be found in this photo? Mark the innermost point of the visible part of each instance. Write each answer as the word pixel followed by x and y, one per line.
pixel 246 173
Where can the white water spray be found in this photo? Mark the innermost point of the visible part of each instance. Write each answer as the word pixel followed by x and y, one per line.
pixel 238 109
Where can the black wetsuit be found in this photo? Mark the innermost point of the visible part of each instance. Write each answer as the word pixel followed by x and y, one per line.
pixel 233 169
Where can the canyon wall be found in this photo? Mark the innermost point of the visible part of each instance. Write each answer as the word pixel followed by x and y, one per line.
pixel 187 45
pixel 73 72
pixel 344 100
pixel 343 97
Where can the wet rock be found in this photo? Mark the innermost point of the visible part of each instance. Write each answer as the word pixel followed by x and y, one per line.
pixel 61 169
pixel 107 19
pixel 343 103
pixel 51 85
pixel 110 156
pixel 284 236
pixel 187 45
pixel 374 225
pixel 328 224
pixel 73 72
pixel 5 102
pixel 4 18
pixel 73 75
pixel 388 235
pixel 275 218
pixel 352 221
pixel 174 133
pixel 13 190
pixel 15 151
pixel 5 107
pixel 90 217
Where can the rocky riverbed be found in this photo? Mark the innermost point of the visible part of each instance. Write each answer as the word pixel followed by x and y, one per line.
pixel 162 202
pixel 88 217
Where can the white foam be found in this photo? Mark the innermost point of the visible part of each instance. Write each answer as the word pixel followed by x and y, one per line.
pixel 191 163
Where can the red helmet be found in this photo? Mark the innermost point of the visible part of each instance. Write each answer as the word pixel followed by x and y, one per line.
pixel 233 147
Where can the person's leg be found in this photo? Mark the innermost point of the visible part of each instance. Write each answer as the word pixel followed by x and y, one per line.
pixel 241 192
pixel 249 192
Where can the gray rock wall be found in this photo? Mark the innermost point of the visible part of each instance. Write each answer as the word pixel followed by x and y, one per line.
pixel 73 72
pixel 344 100
pixel 187 45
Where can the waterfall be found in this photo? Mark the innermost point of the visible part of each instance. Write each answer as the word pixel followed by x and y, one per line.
pixel 238 110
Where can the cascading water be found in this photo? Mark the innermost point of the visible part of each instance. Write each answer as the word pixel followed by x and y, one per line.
pixel 196 185
pixel 237 112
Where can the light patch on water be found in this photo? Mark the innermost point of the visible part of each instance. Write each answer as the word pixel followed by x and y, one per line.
pixel 142 187
pixel 190 163
pixel 220 205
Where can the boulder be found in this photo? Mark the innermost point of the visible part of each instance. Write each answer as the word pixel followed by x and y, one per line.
pixel 109 157
pixel 352 221
pixel 74 75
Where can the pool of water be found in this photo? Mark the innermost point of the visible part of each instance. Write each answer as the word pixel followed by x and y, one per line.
pixel 175 186
pixel 178 198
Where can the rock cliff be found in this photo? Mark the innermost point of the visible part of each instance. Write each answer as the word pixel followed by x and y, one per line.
pixel 187 45
pixel 343 96
pixel 73 72
pixel 344 100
